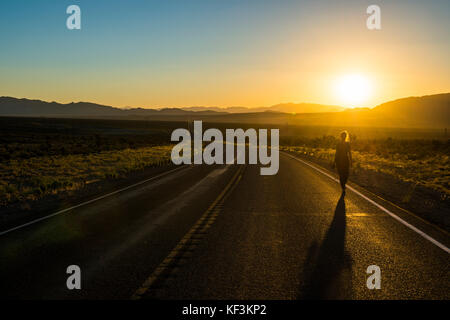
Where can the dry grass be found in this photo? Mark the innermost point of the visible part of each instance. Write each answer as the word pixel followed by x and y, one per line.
pixel 33 178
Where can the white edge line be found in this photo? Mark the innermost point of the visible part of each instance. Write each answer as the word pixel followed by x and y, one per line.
pixel 88 202
pixel 420 232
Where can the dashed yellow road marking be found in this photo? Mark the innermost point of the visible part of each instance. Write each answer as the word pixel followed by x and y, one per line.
pixel 191 239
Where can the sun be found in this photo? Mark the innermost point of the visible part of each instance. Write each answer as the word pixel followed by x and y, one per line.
pixel 353 90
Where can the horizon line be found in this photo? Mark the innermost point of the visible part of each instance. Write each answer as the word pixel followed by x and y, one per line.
pixel 218 107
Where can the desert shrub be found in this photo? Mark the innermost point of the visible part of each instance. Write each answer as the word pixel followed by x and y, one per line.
pixel 35 177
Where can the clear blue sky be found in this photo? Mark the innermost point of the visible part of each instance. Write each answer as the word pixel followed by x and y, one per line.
pixel 227 52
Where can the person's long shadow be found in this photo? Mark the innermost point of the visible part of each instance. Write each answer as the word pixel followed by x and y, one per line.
pixel 324 266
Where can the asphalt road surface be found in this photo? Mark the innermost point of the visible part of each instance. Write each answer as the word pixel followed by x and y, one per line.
pixel 226 232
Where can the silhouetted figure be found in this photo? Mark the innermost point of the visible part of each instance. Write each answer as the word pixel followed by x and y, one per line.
pixel 343 158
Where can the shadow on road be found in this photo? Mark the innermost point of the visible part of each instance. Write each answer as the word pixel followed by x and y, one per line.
pixel 327 269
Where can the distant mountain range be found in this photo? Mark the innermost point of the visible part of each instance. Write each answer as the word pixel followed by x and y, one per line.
pixel 282 107
pixel 26 107
pixel 431 111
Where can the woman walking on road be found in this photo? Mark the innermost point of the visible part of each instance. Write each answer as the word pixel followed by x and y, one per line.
pixel 343 158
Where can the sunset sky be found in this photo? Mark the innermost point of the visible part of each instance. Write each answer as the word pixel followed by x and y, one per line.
pixel 223 53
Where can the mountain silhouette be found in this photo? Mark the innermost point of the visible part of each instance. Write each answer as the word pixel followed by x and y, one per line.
pixel 282 107
pixel 432 111
pixel 24 107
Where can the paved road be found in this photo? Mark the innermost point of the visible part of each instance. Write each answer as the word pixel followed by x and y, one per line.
pixel 288 236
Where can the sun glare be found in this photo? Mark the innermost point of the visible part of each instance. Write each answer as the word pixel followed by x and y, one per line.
pixel 353 89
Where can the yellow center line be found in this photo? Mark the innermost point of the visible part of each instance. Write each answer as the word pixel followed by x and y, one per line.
pixel 191 238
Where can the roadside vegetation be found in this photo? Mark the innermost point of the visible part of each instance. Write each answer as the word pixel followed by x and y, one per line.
pixel 40 157
pixel 36 177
